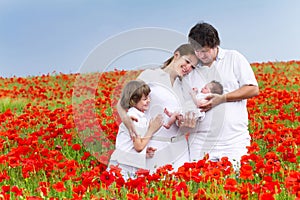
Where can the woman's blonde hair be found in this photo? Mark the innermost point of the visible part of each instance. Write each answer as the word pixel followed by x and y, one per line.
pixel 133 93
pixel 184 50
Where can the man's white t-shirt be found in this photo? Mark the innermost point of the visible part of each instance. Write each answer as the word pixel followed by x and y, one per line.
pixel 226 123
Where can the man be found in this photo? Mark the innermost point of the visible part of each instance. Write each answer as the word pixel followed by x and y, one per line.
pixel 224 131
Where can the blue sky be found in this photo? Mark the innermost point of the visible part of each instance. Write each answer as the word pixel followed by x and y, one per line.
pixel 40 37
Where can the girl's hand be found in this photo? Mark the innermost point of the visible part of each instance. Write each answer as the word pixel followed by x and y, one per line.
pixel 155 124
pixel 150 152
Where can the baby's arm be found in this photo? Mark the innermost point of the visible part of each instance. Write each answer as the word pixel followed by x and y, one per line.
pixel 173 117
pixel 140 143
pixel 199 98
pixel 194 93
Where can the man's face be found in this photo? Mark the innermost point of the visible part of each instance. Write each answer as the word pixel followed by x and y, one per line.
pixel 206 55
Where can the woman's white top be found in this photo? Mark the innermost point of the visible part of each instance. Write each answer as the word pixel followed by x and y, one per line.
pixel 170 143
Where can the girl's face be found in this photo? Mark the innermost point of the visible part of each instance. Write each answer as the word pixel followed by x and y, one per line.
pixel 207 55
pixel 185 64
pixel 143 104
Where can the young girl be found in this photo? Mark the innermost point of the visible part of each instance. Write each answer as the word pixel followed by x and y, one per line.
pixel 130 153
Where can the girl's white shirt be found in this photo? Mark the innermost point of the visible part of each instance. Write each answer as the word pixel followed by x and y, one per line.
pixel 125 152
pixel 142 124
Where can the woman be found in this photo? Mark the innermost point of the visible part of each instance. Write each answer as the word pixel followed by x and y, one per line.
pixel 170 144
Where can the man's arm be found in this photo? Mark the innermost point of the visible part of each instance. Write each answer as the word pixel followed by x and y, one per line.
pixel 244 92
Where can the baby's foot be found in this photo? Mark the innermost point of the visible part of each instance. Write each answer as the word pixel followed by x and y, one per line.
pixel 167 126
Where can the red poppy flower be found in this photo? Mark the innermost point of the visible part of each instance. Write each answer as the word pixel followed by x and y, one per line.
pixel 76 147
pixel 265 196
pixel 4 176
pixel 34 198
pixel 17 191
pixel 80 189
pixel 246 172
pixel 86 155
pixel 231 185
pixel 59 187
pixel 142 172
pixel 107 178
pixel 292 182
pixel 131 196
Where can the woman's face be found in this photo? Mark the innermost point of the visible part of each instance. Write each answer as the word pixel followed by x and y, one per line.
pixel 185 64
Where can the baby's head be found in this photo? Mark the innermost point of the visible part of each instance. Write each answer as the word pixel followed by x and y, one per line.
pixel 135 94
pixel 213 87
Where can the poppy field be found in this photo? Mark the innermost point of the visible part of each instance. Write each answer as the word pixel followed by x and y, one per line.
pixel 57 132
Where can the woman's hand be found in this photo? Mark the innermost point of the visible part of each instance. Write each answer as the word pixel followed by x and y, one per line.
pixel 188 120
pixel 128 122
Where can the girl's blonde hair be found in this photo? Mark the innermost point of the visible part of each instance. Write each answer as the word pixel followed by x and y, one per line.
pixel 133 93
pixel 184 50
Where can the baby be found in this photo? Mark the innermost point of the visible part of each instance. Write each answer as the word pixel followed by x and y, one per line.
pixel 198 98
pixel 212 87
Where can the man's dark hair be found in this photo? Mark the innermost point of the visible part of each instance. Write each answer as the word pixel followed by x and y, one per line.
pixel 203 35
